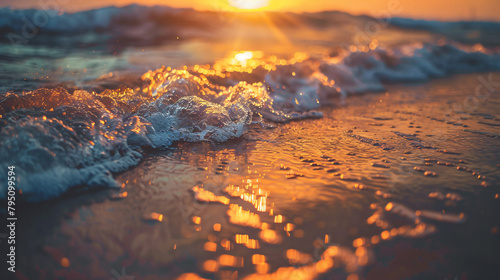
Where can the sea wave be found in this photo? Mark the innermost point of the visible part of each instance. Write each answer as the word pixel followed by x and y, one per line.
pixel 469 32
pixel 157 24
pixel 55 21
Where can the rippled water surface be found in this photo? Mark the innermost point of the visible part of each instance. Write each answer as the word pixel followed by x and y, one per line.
pixel 395 185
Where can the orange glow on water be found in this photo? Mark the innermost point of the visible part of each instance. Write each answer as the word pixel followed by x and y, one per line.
pixel 252 244
pixel 243 217
pixel 241 238
pixel 358 242
pixel 211 266
pixel 270 236
pixel 206 196
pixel 257 259
pixel 296 257
pixel 323 266
pixel 262 268
pixel 278 219
pixel 196 220
pixel 154 217
pixel 119 195
pixel 242 57
pixel 385 234
pixel 217 227
pixel 352 277
pixel 226 244
pixel 246 62
pixel 210 246
pixel 251 194
pixel 190 276
pixel 230 261
pixel 64 262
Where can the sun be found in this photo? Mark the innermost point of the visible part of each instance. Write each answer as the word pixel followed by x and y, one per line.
pixel 249 4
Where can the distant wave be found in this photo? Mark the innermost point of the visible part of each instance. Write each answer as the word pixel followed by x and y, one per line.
pixel 97 19
pixel 132 25
pixel 160 21
pixel 470 32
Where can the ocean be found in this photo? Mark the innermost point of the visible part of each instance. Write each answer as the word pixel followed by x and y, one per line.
pixel 162 143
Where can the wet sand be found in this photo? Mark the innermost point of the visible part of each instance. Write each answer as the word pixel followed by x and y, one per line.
pixel 403 183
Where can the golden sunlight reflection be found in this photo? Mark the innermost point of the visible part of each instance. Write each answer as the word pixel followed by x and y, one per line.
pixel 243 217
pixel 210 246
pixel 217 227
pixel 65 262
pixel 296 257
pixel 270 236
pixel 254 195
pixel 190 276
pixel 246 62
pixel 311 270
pixel 252 244
pixel 257 259
pixel 226 244
pixel 211 266
pixel 278 219
pixel 249 204
pixel 241 238
pixel 153 217
pixel 119 196
pixel 230 261
pixel 243 56
pixel 206 196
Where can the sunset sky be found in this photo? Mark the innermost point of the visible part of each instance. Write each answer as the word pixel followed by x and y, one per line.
pixel 427 9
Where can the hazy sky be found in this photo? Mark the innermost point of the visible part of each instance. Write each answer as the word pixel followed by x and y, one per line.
pixel 428 9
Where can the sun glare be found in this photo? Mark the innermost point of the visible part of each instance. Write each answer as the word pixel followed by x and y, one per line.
pixel 243 56
pixel 249 4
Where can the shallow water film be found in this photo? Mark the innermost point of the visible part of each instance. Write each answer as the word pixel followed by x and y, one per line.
pixel 195 152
